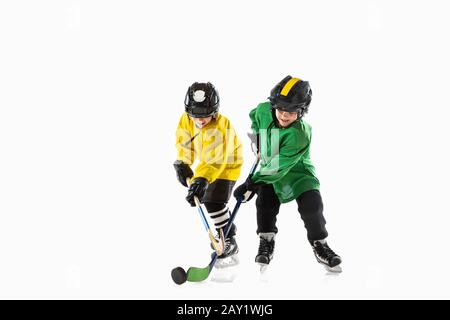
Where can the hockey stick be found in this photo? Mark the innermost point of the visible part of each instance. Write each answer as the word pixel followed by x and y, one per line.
pixel 195 274
pixel 218 246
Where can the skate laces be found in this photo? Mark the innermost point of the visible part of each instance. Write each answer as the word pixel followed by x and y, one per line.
pixel 265 247
pixel 323 250
pixel 227 245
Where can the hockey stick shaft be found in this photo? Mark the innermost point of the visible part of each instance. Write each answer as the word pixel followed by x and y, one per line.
pixel 218 246
pixel 235 211
pixel 195 274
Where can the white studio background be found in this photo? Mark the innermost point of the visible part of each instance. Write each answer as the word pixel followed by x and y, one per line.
pixel 90 96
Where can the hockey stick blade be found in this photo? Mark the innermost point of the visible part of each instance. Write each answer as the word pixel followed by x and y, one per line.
pixel 195 274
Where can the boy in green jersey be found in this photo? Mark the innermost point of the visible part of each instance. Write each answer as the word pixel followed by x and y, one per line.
pixel 286 173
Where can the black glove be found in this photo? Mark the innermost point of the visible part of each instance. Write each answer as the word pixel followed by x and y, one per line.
pixel 246 191
pixel 197 189
pixel 183 172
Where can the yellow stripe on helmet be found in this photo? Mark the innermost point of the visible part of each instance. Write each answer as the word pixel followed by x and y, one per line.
pixel 288 86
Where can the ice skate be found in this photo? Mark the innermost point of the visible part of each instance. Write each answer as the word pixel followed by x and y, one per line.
pixel 229 256
pixel 326 257
pixel 265 250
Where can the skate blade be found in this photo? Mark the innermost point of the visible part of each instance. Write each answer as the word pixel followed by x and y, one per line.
pixel 264 272
pixel 227 262
pixel 263 267
pixel 336 269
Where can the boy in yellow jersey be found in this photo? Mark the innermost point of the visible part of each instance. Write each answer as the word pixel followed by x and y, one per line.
pixel 209 137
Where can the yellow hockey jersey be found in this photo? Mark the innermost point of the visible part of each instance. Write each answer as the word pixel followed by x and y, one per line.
pixel 216 146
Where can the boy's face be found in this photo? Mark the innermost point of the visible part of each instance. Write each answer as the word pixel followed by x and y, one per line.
pixel 201 122
pixel 285 118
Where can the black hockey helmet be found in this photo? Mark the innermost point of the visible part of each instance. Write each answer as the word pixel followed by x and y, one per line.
pixel 291 95
pixel 202 100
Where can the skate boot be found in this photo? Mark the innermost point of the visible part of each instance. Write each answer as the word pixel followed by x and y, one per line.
pixel 229 256
pixel 325 256
pixel 265 250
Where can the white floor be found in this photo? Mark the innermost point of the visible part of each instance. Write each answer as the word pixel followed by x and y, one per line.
pixel 91 93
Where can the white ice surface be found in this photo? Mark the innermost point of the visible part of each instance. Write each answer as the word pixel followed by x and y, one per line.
pixel 90 96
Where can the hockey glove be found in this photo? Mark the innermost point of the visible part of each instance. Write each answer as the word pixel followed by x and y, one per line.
pixel 197 189
pixel 246 191
pixel 183 172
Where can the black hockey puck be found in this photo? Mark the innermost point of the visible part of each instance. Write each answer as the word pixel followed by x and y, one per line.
pixel 179 276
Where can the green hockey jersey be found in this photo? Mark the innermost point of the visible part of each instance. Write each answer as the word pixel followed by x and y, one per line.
pixel 285 159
